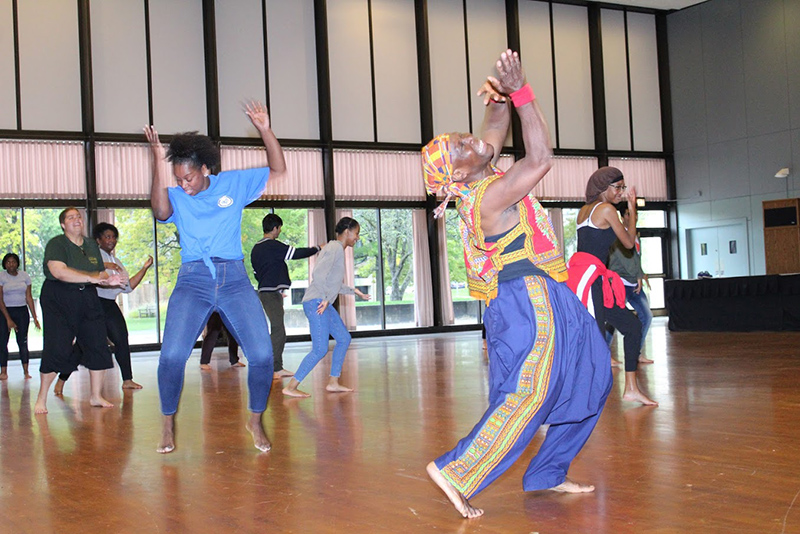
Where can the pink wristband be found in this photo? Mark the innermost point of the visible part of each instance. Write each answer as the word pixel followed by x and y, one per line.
pixel 522 96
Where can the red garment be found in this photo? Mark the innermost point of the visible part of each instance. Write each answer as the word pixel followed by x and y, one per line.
pixel 584 269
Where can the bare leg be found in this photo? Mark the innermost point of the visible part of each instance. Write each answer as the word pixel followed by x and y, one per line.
pixel 570 486
pixel 41 400
pixel 25 371
pixel 460 502
pixel 256 429
pixel 615 363
pixel 96 385
pixel 167 444
pixel 292 391
pixel 59 389
pixel 4 373
pixel 335 387
pixel 632 391
pixel 130 384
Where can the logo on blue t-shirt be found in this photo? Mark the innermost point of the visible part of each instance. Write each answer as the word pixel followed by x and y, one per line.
pixel 225 201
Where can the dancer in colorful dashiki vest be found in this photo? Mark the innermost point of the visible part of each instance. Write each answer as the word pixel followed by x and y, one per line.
pixel 548 363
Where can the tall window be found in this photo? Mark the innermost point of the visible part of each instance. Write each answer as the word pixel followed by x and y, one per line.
pixel 367 268
pixel 466 309
pixel 137 242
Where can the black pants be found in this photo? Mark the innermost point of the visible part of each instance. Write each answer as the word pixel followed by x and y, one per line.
pixel 272 302
pixel 73 312
pixel 623 320
pixel 19 314
pixel 214 328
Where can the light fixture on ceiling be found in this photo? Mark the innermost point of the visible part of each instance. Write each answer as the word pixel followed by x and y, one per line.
pixel 783 173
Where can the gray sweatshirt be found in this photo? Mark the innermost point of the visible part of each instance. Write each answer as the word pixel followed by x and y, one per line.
pixel 627 263
pixel 327 281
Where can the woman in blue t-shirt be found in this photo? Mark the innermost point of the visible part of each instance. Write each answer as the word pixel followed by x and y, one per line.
pixel 15 300
pixel 207 211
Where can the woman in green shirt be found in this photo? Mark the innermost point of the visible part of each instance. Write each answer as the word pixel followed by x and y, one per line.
pixel 71 309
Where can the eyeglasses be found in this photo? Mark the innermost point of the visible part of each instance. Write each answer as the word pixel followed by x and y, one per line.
pixel 619 187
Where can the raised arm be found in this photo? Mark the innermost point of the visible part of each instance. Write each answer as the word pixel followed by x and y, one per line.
pixel 496 118
pixel 526 172
pixel 608 213
pixel 159 198
pixel 258 115
pixel 137 278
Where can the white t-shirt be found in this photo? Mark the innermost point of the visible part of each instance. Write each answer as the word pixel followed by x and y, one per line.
pixel 14 288
pixel 110 293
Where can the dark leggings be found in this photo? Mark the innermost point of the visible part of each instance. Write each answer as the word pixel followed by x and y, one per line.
pixel 19 314
pixel 117 331
pixel 214 328
pixel 623 320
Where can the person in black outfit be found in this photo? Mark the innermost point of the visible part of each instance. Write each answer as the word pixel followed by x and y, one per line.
pixel 214 328
pixel 269 266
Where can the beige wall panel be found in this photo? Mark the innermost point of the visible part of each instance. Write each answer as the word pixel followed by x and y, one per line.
pixel 396 80
pixel 449 89
pixel 240 63
pixel 351 74
pixel 573 76
pixel 537 56
pixel 48 51
pixel 615 73
pixel 119 66
pixel 645 98
pixel 8 88
pixel 178 65
pixel 292 69
pixel 486 27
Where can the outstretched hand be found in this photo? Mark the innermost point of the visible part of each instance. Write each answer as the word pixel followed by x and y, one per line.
pixel 509 68
pixel 152 138
pixel 490 93
pixel 258 114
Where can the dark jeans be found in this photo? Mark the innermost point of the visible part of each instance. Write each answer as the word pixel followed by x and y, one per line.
pixel 214 328
pixel 19 314
pixel 272 301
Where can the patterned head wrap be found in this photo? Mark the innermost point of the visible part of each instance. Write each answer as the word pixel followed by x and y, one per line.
pixel 600 180
pixel 436 164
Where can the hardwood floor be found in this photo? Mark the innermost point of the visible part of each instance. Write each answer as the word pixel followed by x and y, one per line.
pixel 721 453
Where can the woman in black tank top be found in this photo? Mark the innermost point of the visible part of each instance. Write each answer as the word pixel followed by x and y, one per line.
pixel 598 227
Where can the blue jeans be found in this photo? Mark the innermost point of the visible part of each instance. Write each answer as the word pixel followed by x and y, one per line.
pixel 641 306
pixel 322 326
pixel 195 297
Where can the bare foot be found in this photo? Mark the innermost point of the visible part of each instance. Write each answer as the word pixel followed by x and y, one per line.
pixel 238 364
pixel 642 359
pixel 294 392
pixel 100 402
pixel 167 444
pixel 570 486
pixel 3 376
pixel 27 376
pixel 256 429
pixel 337 388
pixel 638 396
pixel 615 363
pixel 130 384
pixel 59 388
pixel 40 407
pixel 283 373
pixel 460 502
pixel 205 367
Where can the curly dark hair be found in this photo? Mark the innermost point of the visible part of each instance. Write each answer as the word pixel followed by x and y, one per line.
pixel 103 227
pixel 8 256
pixel 193 149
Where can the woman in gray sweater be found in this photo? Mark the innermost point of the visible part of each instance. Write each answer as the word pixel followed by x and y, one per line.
pixel 327 282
